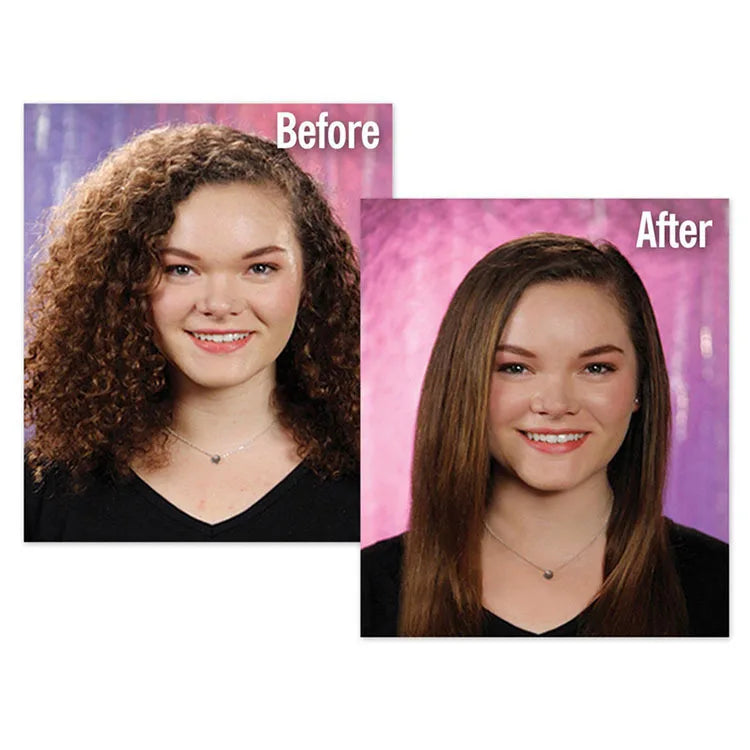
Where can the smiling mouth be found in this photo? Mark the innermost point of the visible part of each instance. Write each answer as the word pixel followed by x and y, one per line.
pixel 220 338
pixel 554 438
pixel 554 442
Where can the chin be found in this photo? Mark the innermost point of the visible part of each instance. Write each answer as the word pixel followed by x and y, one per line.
pixel 549 481
pixel 218 384
pixel 218 379
pixel 551 485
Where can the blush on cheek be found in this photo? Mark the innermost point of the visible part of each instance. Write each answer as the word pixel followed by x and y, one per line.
pixel 286 303
pixel 614 404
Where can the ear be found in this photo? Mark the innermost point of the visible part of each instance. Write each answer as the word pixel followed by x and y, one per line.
pixel 636 404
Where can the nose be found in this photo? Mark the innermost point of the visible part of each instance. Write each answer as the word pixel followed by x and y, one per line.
pixel 555 398
pixel 219 297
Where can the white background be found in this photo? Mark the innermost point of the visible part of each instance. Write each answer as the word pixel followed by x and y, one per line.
pixel 223 646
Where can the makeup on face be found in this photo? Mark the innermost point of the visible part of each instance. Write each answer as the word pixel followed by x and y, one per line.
pixel 563 386
pixel 232 275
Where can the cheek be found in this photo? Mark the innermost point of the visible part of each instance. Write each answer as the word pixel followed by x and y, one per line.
pixel 614 401
pixel 507 409
pixel 165 306
pixel 282 304
pixel 506 406
pixel 611 405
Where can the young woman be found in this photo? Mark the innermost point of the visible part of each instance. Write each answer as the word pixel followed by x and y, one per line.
pixel 192 358
pixel 539 465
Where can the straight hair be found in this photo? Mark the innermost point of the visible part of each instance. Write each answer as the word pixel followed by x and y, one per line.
pixel 451 471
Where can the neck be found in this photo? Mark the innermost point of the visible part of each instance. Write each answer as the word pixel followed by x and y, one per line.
pixel 222 418
pixel 552 518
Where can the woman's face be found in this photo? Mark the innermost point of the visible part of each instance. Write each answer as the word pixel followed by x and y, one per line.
pixel 227 301
pixel 563 387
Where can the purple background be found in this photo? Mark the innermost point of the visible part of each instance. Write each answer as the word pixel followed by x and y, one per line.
pixel 416 252
pixel 64 141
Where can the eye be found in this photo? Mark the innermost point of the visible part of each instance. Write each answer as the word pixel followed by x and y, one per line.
pixel 262 269
pixel 599 368
pixel 513 368
pixel 180 270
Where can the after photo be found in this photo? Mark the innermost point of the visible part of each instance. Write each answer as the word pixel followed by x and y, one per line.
pixel 545 418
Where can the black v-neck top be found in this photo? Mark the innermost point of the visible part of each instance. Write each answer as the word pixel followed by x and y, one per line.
pixel 702 565
pixel 300 508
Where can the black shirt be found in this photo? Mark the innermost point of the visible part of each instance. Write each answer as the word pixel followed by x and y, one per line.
pixel 702 565
pixel 300 508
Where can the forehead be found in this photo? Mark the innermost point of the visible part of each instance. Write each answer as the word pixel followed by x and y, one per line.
pixel 568 313
pixel 232 216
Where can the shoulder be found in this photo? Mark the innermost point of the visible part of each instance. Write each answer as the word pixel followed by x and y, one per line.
pixel 42 502
pixel 693 548
pixel 305 507
pixel 702 563
pixel 384 558
pixel 323 509
pixel 51 502
pixel 381 586
pixel 345 488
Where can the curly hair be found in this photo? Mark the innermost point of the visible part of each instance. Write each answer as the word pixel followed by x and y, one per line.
pixel 96 387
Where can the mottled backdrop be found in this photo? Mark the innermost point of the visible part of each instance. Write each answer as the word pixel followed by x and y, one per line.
pixel 64 141
pixel 416 252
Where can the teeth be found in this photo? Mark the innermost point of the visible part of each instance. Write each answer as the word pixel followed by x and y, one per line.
pixel 543 437
pixel 220 338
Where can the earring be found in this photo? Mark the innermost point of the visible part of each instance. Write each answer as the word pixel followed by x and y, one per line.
pixel 636 401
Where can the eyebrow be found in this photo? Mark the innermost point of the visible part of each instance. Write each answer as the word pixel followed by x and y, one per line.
pixel 605 349
pixel 516 350
pixel 594 351
pixel 249 254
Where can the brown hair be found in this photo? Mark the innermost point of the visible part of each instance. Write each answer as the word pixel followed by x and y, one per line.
pixel 442 591
pixel 96 387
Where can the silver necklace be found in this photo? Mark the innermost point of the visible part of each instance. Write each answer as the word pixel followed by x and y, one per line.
pixel 216 457
pixel 547 573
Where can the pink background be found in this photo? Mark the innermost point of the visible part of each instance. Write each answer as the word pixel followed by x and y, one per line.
pixel 416 252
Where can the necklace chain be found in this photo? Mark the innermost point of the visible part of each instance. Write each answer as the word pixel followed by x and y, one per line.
pixel 216 457
pixel 547 573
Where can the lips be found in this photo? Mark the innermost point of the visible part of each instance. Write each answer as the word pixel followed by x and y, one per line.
pixel 548 441
pixel 219 337
pixel 220 342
